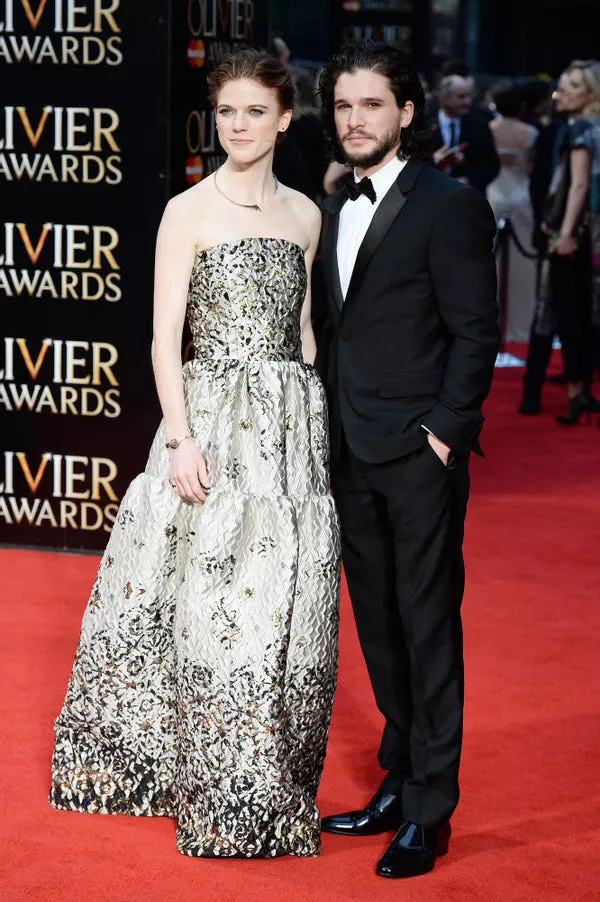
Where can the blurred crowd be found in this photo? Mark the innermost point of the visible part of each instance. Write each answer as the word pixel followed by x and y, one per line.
pixel 532 145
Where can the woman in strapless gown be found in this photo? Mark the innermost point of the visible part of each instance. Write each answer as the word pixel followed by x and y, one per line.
pixel 509 193
pixel 204 675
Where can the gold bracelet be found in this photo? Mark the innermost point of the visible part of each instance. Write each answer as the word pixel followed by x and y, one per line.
pixel 175 442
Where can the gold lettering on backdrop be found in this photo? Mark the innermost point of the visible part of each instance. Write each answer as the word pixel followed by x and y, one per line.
pixel 104 250
pixel 33 369
pixel 71 476
pixel 72 11
pixel 104 366
pixel 105 130
pixel 33 254
pixel 103 358
pixel 98 479
pixel 33 19
pixel 34 137
pixel 32 482
pixel 74 129
pixel 72 361
pixel 101 13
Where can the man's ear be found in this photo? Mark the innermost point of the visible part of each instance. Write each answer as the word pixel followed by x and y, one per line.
pixel 406 113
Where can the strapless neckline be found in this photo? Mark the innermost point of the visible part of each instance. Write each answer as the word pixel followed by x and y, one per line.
pixel 249 239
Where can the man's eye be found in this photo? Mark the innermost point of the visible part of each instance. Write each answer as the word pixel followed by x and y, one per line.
pixel 342 106
pixel 372 104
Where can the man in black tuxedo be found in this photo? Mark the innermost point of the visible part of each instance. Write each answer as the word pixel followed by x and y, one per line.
pixel 475 160
pixel 407 359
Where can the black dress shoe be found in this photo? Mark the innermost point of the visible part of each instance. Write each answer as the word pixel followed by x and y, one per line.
pixel 413 850
pixel 384 812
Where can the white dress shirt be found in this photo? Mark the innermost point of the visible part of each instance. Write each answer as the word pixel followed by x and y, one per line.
pixel 446 122
pixel 356 216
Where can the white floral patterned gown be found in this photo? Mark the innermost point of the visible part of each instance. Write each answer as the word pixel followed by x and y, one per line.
pixel 204 675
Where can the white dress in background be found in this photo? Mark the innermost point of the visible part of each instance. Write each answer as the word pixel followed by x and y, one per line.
pixel 509 193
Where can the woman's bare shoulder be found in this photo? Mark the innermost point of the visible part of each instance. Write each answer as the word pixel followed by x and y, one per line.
pixel 301 205
pixel 189 200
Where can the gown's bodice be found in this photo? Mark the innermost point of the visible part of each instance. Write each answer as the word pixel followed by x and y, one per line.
pixel 245 298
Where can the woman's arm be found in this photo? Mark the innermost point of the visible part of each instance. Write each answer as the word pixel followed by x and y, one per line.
pixel 579 162
pixel 309 346
pixel 174 260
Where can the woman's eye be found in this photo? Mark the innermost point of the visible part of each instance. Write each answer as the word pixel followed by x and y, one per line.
pixel 224 111
pixel 256 112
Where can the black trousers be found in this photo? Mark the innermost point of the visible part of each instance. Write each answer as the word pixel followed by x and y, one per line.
pixel 571 295
pixel 571 281
pixel 402 531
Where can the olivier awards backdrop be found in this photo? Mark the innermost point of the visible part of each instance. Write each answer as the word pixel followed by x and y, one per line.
pixel 104 115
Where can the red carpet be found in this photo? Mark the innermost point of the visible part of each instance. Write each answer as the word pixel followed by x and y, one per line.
pixel 528 827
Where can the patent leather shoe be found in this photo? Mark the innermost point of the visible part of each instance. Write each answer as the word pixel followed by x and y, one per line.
pixel 384 812
pixel 413 850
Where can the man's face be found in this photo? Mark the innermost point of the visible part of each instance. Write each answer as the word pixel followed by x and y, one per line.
pixel 367 117
pixel 457 102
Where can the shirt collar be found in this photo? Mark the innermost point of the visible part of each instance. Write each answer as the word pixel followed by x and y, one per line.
pixel 385 177
pixel 445 119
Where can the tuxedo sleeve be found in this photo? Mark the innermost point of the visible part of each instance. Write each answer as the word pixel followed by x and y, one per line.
pixel 324 348
pixel 463 272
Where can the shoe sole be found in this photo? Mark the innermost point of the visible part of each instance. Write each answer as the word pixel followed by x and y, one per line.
pixel 417 872
pixel 337 832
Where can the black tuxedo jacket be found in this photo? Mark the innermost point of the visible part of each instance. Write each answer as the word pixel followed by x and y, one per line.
pixel 415 341
pixel 482 163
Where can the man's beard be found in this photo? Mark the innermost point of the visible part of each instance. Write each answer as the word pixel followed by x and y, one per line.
pixel 375 156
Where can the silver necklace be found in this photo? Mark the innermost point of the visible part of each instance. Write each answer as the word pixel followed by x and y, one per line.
pixel 237 203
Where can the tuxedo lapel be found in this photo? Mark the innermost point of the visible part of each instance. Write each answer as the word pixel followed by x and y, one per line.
pixel 332 206
pixel 386 213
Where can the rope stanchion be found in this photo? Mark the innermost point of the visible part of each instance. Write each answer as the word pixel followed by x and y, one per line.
pixel 505 234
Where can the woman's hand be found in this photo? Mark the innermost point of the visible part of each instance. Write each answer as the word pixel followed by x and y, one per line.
pixel 564 246
pixel 188 473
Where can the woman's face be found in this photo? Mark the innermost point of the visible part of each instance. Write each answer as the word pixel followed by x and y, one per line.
pixel 572 93
pixel 249 118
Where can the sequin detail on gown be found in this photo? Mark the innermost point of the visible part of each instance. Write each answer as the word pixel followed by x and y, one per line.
pixel 204 675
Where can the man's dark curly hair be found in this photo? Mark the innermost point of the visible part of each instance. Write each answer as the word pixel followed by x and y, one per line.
pixel 405 84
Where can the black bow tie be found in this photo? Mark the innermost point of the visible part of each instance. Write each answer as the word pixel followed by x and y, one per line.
pixel 355 189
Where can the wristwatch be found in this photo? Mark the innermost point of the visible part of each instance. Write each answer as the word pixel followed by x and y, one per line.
pixel 175 442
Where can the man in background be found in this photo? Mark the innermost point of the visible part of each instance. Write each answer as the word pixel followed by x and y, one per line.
pixel 462 141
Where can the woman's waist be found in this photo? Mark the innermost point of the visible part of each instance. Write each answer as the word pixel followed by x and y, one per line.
pixel 222 364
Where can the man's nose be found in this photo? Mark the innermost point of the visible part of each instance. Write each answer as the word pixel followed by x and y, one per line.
pixel 356 117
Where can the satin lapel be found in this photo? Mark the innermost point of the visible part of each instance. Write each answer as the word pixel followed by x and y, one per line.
pixel 385 215
pixel 330 236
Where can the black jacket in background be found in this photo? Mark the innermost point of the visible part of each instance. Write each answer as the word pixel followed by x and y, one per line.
pixel 482 163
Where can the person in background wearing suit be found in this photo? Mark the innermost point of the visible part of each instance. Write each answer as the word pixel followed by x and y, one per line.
pixel 407 359
pixel 463 144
